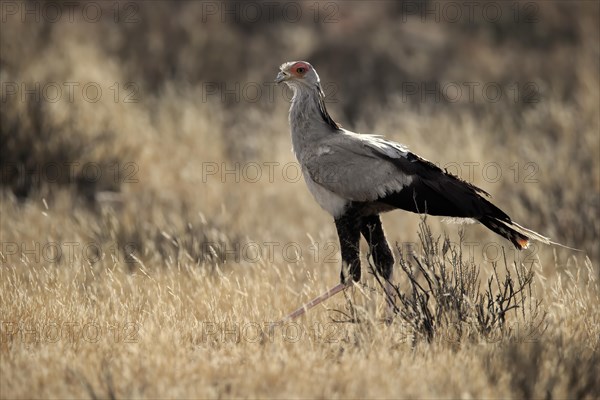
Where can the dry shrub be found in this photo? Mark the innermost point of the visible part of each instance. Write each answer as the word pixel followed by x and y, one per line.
pixel 444 295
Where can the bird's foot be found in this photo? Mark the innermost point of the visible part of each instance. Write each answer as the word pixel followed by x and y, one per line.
pixel 390 306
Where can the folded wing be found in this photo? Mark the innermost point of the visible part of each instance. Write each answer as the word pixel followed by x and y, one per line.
pixel 356 167
pixel 366 168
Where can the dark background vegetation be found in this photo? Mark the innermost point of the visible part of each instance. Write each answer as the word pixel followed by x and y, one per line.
pixel 367 53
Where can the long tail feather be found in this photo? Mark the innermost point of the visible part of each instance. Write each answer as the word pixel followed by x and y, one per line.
pixel 505 229
pixel 517 234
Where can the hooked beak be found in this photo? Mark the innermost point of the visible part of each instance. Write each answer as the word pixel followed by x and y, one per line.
pixel 282 76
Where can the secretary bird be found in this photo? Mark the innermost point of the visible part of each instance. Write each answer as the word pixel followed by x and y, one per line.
pixel 355 177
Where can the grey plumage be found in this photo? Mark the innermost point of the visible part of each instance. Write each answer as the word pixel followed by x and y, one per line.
pixel 355 177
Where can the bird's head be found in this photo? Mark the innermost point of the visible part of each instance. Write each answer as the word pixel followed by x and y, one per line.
pixel 298 74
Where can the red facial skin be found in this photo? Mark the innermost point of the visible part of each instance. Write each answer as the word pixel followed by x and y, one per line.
pixel 299 69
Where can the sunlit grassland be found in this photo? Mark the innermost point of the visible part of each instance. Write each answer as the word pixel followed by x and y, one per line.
pixel 163 277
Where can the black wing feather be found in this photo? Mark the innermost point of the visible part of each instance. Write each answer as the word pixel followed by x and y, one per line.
pixel 436 192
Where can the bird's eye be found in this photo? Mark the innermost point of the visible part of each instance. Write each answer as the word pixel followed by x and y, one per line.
pixel 300 70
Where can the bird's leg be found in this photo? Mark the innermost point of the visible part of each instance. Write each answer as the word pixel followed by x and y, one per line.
pixel 372 231
pixel 314 302
pixel 348 228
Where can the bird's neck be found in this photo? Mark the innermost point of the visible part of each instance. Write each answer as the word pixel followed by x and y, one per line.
pixel 309 119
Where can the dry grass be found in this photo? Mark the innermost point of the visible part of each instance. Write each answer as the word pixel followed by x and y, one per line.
pixel 147 283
